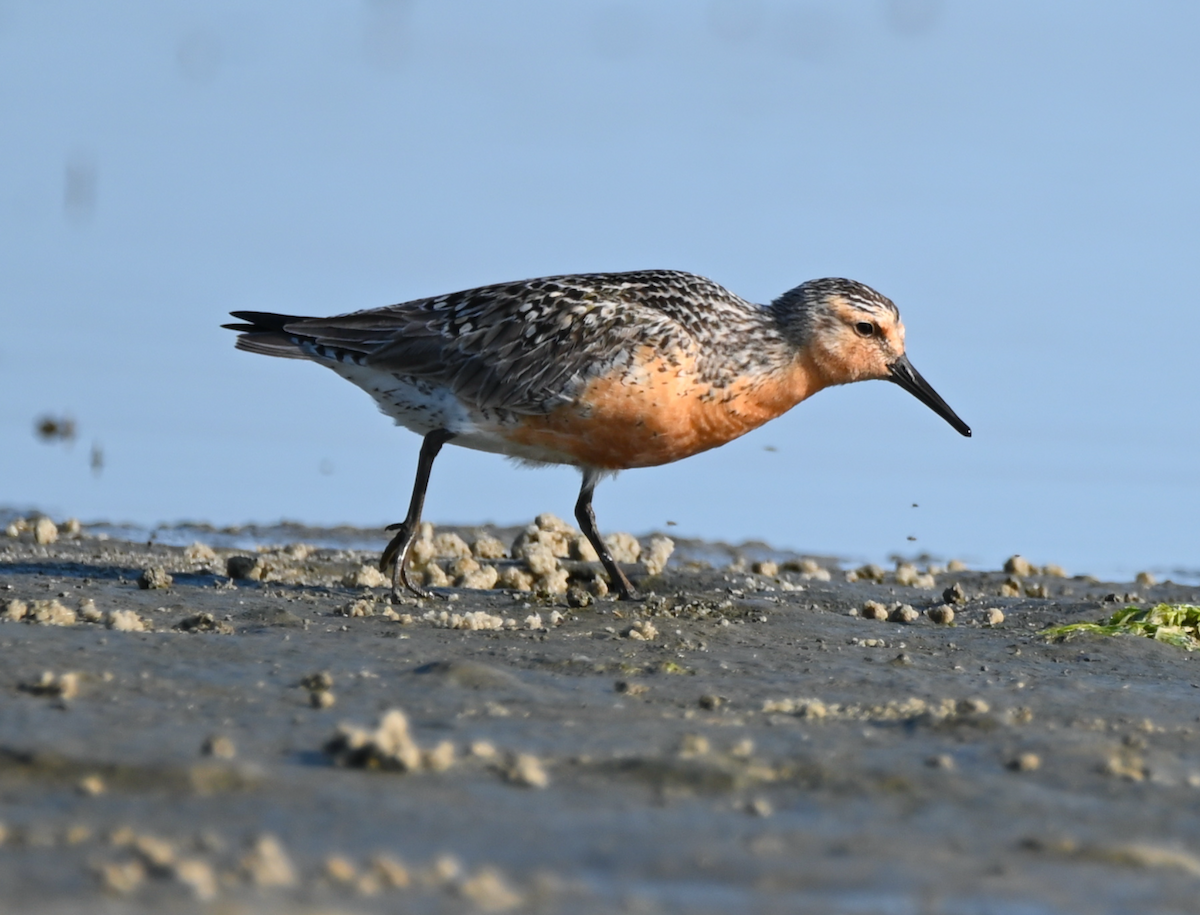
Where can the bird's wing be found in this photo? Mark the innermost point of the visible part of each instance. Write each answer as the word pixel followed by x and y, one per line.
pixel 528 346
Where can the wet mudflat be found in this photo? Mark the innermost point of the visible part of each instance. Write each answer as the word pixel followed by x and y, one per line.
pixel 737 740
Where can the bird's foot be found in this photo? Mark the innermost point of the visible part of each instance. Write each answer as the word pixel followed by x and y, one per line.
pixel 618 580
pixel 395 557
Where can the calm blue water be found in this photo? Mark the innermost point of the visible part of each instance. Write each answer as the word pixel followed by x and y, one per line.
pixel 1020 178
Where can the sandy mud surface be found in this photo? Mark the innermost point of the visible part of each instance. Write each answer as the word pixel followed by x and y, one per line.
pixel 743 739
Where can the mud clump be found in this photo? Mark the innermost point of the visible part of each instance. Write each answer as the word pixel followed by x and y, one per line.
pixel 124 621
pixel 388 746
pixel 204 622
pixel 943 615
pixel 873 610
pixel 1020 566
pixel 155 579
pixel 51 613
pixel 244 567
pixel 201 554
pixel 954 594
pixel 59 686
pixel 45 531
pixel 658 553
pixel 14 610
pixel 526 771
pixel 365 576
pixel 267 864
pixel 641 631
pixel 219 746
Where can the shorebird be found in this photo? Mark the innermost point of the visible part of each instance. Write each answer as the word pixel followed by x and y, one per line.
pixel 602 371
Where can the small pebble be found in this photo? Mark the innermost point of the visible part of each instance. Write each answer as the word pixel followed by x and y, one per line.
pixel 155 578
pixel 1018 565
pixel 527 770
pixel 943 614
pixel 1025 762
pixel 267 864
pixel 743 749
pixel 63 686
pixel 124 621
pixel 767 568
pixel 365 576
pixel 488 547
pixel 656 555
pixel 122 878
pixel 220 747
pixel 760 807
pixel 462 566
pixel 45 531
pixel 322 698
pixel 91 785
pixel 956 565
pixel 994 616
pixel 905 613
pixel 15 610
pixel 941 761
pixel 439 758
pixel 51 613
pixel 623 547
pixel 483 749
pixel 198 876
pixel 1146 580
pixel 391 871
pixel 711 702
pixel 873 610
pixel 869 572
pixel 200 553
pixel 450 545
pixel 490 892
pixel 1011 588
pixel 340 869
pixel 577 597
pixel 641 631
pixel 247 567
pixel 972 706
pixel 954 594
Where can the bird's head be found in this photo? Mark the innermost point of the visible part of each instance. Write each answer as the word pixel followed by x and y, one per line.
pixel 849 332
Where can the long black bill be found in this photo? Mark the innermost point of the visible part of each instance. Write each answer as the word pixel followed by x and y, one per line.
pixel 910 379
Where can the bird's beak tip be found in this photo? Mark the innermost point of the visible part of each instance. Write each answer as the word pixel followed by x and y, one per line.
pixel 902 373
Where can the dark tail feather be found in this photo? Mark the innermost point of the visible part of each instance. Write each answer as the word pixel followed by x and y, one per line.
pixel 264 333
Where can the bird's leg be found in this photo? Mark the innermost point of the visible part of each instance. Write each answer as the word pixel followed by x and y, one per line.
pixel 401 545
pixel 587 523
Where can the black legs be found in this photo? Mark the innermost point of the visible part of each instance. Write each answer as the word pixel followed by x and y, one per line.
pixel 395 554
pixel 397 551
pixel 587 523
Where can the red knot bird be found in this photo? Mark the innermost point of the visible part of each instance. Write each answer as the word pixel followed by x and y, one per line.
pixel 603 371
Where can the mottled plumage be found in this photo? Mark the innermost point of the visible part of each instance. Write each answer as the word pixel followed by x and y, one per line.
pixel 604 371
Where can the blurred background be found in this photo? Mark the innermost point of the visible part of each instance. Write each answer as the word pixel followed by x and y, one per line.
pixel 1021 178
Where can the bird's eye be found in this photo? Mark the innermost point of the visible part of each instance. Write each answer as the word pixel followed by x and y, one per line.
pixel 865 328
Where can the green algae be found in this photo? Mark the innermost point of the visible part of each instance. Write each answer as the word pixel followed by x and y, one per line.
pixel 1175 624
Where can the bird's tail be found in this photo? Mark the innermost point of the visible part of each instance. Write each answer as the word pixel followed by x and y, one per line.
pixel 265 332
